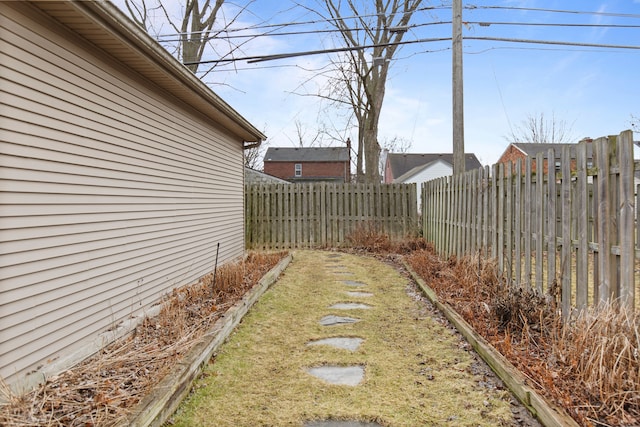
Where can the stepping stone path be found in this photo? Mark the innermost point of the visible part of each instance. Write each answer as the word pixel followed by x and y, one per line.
pixel 341 375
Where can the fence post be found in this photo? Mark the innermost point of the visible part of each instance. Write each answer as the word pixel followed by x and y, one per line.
pixel 540 212
pixel 552 198
pixel 566 232
pixel 582 207
pixel 604 246
pixel 493 192
pixel 517 226
pixel 527 221
pixel 626 223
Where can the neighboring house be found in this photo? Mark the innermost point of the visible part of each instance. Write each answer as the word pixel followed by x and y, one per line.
pixel 416 168
pixel 120 173
pixel 402 167
pixel 330 164
pixel 252 176
pixel 520 150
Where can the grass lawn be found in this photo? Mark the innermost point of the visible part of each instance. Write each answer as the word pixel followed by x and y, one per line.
pixel 417 371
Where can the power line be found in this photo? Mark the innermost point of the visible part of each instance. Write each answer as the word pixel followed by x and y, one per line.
pixel 414 26
pixel 549 24
pixel 468 7
pixel 294 33
pixel 576 12
pixel 554 42
pixel 289 24
pixel 262 58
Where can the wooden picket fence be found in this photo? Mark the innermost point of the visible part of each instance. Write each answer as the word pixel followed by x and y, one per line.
pixel 574 234
pixel 324 214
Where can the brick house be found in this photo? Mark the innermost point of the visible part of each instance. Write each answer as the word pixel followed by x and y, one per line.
pixel 305 164
pixel 522 150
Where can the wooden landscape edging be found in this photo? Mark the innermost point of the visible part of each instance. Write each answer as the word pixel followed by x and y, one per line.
pixel 159 405
pixel 547 413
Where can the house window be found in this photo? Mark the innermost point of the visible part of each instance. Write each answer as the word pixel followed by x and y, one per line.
pixel 298 169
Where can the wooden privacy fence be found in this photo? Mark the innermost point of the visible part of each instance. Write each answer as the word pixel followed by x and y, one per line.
pixel 324 214
pixel 573 235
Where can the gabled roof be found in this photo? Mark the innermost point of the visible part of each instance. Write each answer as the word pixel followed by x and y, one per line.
pixel 307 154
pixel 401 163
pixel 405 176
pixel 108 28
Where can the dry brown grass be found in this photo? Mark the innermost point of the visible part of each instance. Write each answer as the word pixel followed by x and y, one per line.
pixel 417 372
pixel 102 390
pixel 370 237
pixel 590 366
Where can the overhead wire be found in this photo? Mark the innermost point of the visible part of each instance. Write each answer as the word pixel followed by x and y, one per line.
pixel 288 24
pixel 468 7
pixel 414 26
pixel 262 58
pixel 576 12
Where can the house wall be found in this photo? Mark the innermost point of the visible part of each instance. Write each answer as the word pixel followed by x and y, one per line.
pixel 512 154
pixel 113 193
pixel 388 173
pixel 286 170
pixel 437 169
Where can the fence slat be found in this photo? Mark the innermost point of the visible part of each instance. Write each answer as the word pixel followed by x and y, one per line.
pixel 626 221
pixel 565 258
pixel 517 226
pixel 323 214
pixel 551 221
pixel 582 210
pixel 528 231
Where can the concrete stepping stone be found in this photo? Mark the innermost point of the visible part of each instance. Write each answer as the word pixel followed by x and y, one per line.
pixel 339 375
pixel 343 272
pixel 343 343
pixel 359 294
pixel 353 283
pixel 350 306
pixel 337 320
pixel 332 423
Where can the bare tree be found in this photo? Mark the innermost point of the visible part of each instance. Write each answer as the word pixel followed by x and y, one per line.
pixel 306 137
pixel 360 74
pixel 397 144
pixel 538 128
pixel 194 26
pixel 635 123
pixel 253 156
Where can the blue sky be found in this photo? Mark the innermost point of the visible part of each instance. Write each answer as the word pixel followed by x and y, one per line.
pixel 594 90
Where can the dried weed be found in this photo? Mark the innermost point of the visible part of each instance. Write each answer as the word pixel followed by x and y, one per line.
pixel 590 366
pixel 102 390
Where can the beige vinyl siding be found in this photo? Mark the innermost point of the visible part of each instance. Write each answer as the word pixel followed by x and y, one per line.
pixel 112 192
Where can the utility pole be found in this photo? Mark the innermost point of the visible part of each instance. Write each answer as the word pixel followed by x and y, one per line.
pixel 458 104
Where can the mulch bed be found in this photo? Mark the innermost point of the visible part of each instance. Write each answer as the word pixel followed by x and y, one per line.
pixel 526 328
pixel 102 390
